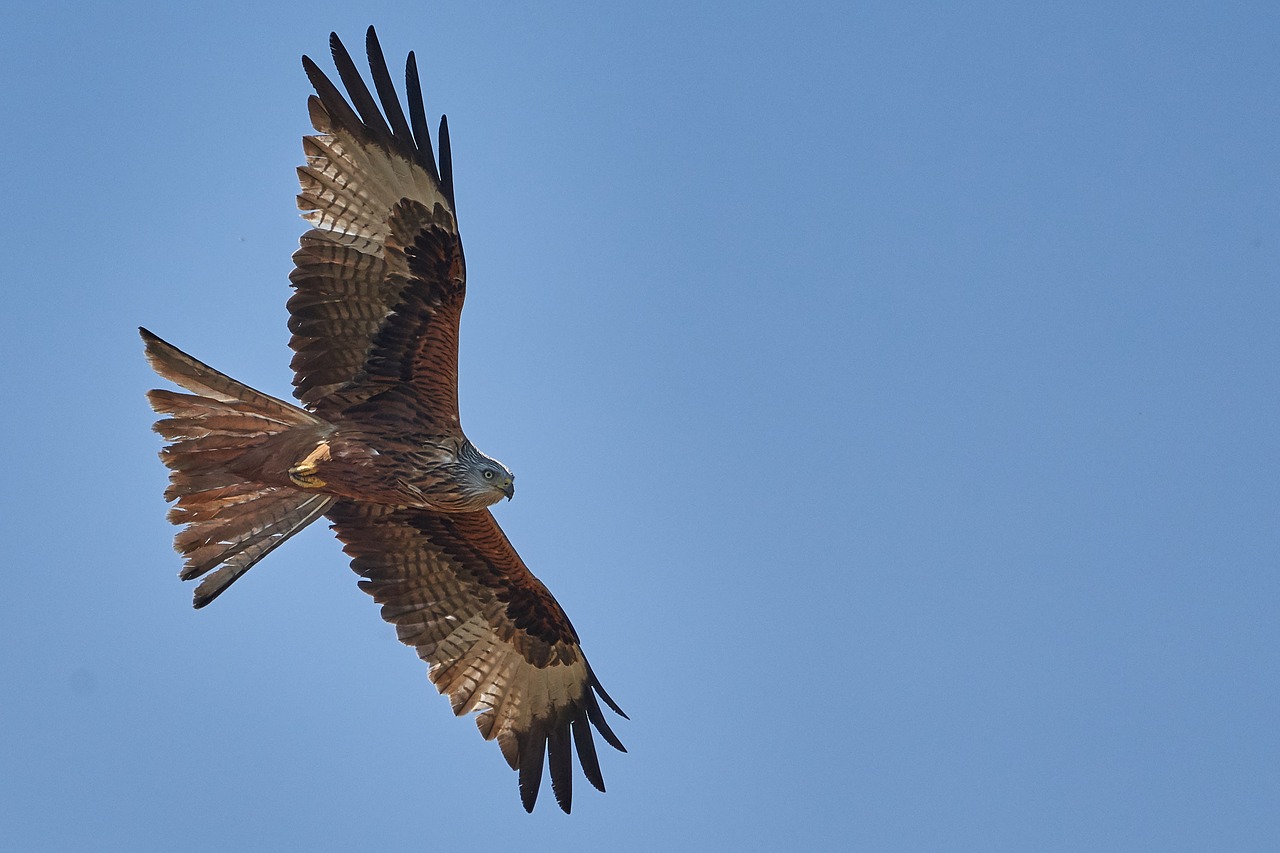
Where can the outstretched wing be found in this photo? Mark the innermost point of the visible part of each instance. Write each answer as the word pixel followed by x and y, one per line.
pixel 495 639
pixel 380 277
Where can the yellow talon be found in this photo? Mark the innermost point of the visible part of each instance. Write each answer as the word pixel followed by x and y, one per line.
pixel 304 473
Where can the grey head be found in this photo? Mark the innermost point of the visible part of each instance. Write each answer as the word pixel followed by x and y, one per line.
pixel 482 476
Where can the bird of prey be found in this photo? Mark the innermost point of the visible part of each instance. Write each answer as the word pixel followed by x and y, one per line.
pixel 377 447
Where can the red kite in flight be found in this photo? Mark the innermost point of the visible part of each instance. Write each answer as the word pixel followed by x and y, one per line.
pixel 378 449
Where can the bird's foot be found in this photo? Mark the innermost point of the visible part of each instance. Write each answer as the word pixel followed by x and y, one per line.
pixel 304 473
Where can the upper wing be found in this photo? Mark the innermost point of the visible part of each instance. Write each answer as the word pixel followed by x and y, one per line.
pixel 380 277
pixel 494 638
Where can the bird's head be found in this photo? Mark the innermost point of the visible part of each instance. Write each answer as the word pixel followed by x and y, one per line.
pixel 485 478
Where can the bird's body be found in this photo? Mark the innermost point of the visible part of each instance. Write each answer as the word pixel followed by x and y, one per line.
pixel 378 446
pixel 352 460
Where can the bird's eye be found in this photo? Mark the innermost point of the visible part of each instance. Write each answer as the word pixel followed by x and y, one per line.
pixel 488 475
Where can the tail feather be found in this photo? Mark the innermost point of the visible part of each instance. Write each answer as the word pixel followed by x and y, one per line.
pixel 230 522
pixel 218 501
pixel 194 375
pixel 295 516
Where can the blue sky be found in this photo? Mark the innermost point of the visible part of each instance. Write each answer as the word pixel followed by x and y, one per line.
pixel 892 389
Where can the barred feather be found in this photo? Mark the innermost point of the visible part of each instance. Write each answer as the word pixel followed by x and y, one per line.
pixel 229 521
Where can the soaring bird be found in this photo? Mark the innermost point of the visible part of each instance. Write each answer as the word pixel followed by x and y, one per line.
pixel 377 447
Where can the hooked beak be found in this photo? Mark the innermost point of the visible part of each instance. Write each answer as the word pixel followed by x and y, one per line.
pixel 510 490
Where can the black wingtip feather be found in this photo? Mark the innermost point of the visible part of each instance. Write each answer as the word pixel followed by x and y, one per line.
pixel 587 750
pixel 561 766
pixel 608 700
pixel 331 99
pixel 602 725
pixel 446 164
pixel 387 90
pixel 531 752
pixel 418 116
pixel 361 97
pixel 312 70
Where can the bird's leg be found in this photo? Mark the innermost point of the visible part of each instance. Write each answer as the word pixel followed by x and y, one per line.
pixel 304 472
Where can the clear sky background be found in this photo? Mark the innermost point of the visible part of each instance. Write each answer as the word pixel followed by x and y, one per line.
pixel 892 389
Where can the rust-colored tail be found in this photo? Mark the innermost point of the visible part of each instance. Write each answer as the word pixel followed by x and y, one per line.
pixel 230 522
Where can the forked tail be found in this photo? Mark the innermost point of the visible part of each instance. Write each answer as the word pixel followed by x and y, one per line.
pixel 230 522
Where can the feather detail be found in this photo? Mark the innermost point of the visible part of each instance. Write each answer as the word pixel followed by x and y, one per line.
pixel 229 522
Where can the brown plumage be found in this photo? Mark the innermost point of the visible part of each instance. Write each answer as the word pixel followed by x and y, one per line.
pixel 378 449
